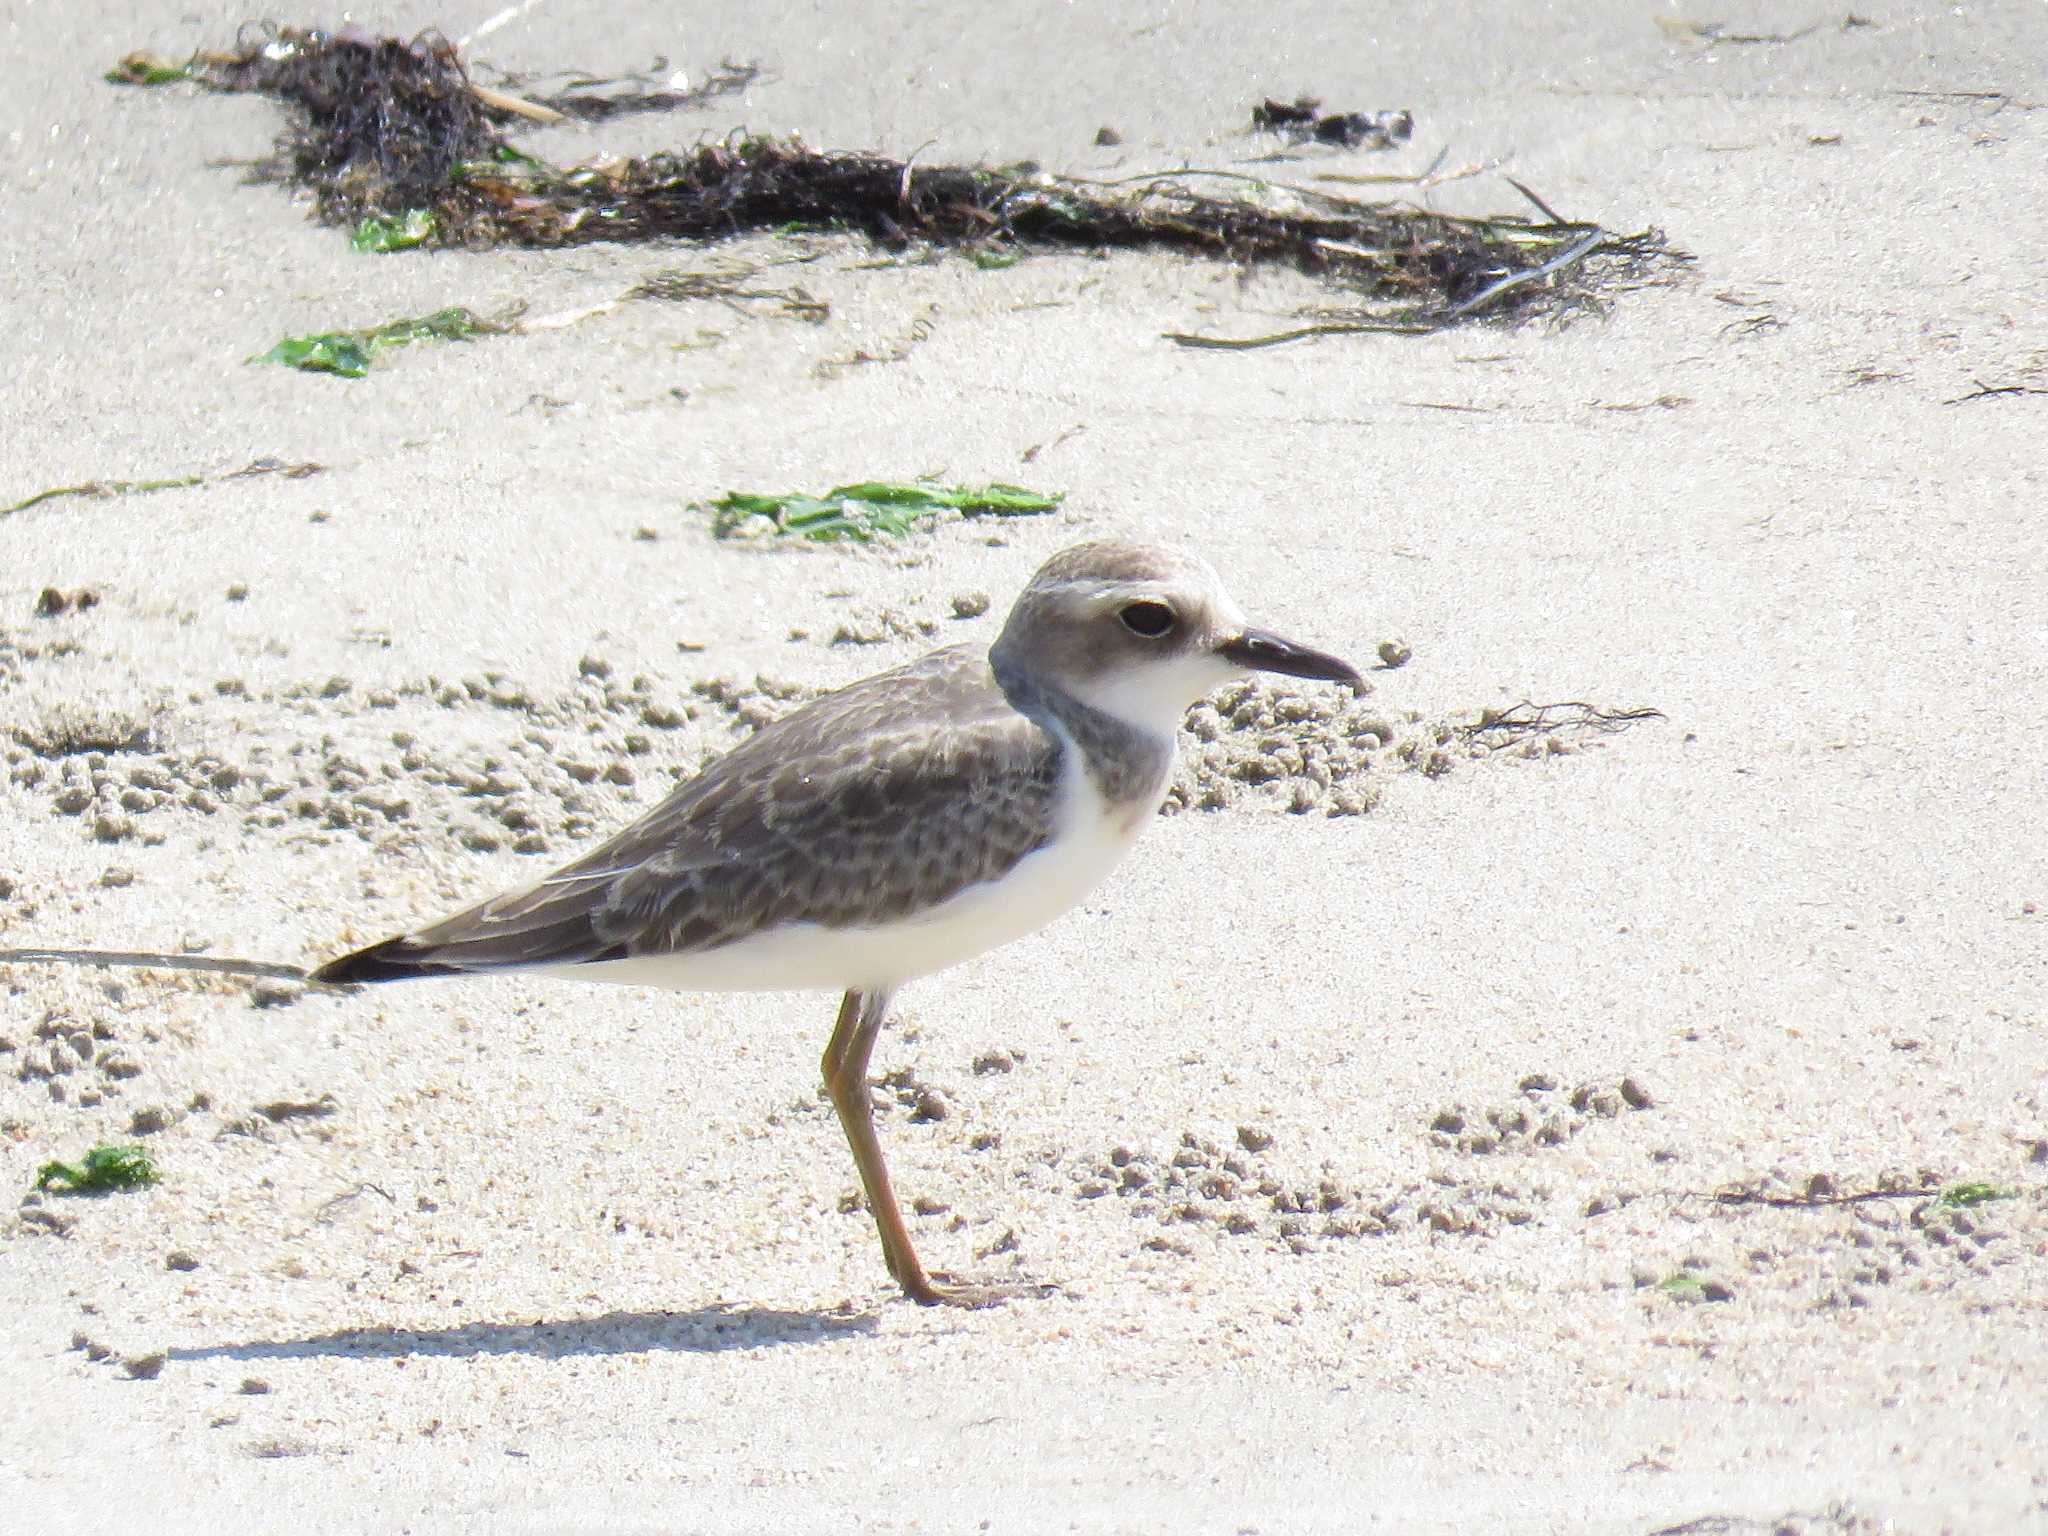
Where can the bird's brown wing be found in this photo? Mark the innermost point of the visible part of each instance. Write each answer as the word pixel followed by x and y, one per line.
pixel 863 806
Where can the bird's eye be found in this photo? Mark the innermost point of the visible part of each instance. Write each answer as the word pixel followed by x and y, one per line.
pixel 1150 620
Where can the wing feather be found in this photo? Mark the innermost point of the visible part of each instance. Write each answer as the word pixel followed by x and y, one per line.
pixel 863 806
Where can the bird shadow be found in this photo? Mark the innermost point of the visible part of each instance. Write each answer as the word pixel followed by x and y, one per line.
pixel 704 1330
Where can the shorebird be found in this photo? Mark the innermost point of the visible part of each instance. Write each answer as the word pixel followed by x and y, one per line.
pixel 894 827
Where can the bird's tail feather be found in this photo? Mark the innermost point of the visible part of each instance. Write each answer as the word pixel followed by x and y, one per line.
pixel 468 948
pixel 388 961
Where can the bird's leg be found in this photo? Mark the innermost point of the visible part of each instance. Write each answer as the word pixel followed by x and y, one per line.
pixel 846 1080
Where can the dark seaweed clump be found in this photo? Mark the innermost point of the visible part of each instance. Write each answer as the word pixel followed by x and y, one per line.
pixel 386 128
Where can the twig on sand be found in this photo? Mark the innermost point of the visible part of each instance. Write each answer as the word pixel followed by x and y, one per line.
pixel 1985 391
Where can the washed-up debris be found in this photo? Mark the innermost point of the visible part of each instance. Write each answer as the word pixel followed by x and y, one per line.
pixel 1822 1190
pixel 1714 33
pixel 729 287
pixel 1971 1192
pixel 1984 391
pixel 1524 724
pixel 99 489
pixel 867 510
pixel 348 353
pixel 1303 121
pixel 101 1169
pixel 147 69
pixel 591 99
pixel 384 127
pixel 400 232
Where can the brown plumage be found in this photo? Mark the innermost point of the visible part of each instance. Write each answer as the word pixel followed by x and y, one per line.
pixel 805 822
pixel 896 826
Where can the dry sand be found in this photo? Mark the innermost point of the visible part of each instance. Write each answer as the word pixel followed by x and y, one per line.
pixel 540 1257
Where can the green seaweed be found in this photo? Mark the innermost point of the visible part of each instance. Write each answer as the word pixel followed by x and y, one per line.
pixel 382 234
pixel 348 353
pixel 333 352
pixel 99 488
pixel 147 69
pixel 870 509
pixel 101 1169
pixel 1972 1192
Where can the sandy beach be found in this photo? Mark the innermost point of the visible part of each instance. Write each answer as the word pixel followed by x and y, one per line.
pixel 1617 1132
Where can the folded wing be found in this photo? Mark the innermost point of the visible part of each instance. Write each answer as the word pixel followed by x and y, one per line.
pixel 862 807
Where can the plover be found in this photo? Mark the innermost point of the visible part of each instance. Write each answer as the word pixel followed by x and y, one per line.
pixel 894 827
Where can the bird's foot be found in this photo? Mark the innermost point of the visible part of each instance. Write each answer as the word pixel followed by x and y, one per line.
pixel 944 1290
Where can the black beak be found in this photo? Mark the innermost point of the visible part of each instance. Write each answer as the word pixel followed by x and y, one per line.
pixel 1264 651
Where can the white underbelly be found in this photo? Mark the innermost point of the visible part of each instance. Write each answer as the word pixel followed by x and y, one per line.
pixel 807 956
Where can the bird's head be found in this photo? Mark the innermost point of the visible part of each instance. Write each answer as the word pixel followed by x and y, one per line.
pixel 1142 632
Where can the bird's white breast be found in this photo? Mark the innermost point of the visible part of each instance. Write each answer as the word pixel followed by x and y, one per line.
pixel 1090 837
